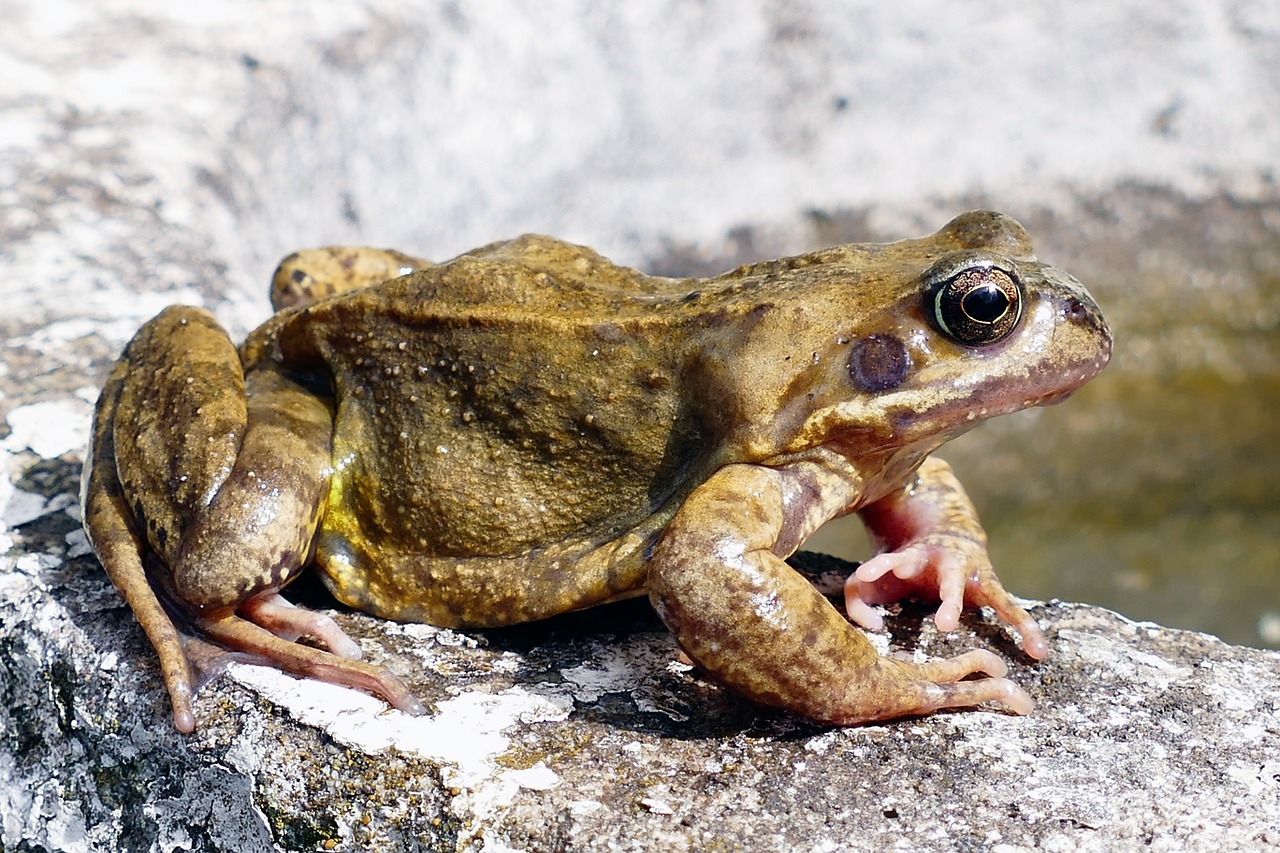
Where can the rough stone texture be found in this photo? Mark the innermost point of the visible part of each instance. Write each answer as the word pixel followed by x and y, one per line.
pixel 157 153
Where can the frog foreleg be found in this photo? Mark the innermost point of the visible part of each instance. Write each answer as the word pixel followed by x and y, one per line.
pixel 719 582
pixel 932 544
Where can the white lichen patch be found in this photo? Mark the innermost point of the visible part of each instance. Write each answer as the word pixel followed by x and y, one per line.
pixel 1152 669
pixel 613 670
pixel 539 777
pixel 467 730
pixel 625 666
pixel 1229 686
pixel 49 428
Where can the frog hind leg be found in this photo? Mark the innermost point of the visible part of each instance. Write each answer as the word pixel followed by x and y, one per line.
pixel 203 501
pixel 760 628
pixel 109 526
pixel 270 639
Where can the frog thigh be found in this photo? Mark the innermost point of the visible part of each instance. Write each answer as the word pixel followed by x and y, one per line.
pixel 176 413
pixel 257 531
pixel 226 475
pixel 760 627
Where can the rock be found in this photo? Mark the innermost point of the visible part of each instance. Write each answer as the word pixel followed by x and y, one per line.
pixel 173 153
pixel 584 734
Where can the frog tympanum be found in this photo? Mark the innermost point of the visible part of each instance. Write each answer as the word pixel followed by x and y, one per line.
pixel 529 429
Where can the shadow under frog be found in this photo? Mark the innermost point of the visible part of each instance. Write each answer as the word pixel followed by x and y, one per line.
pixel 529 429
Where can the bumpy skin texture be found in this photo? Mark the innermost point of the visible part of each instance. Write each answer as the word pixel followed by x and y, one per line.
pixel 530 429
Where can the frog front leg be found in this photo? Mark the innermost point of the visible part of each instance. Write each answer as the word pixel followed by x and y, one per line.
pixel 719 581
pixel 202 499
pixel 932 545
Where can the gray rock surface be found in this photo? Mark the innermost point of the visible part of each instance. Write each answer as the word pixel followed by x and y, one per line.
pixel 160 153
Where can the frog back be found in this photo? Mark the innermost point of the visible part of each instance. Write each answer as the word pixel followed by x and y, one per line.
pixel 520 396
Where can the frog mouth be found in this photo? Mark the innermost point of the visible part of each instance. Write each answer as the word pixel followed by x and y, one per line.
pixel 1055 397
pixel 1074 383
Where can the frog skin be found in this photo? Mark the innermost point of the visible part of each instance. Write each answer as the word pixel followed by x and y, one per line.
pixel 529 429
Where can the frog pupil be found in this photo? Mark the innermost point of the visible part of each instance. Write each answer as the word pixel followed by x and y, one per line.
pixel 985 303
pixel 977 306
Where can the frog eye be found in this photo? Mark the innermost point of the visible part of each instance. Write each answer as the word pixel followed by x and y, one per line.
pixel 976 305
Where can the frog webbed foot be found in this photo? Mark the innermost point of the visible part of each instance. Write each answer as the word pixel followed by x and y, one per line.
pixel 266 629
pixel 943 684
pixel 933 547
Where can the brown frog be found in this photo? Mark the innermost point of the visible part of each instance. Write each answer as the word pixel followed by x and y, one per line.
pixel 529 429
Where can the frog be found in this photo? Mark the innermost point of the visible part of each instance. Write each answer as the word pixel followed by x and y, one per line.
pixel 530 429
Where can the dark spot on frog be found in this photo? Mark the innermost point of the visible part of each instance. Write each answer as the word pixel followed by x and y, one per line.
pixel 879 363
pixel 299 276
pixel 609 332
pixel 284 564
pixel 656 379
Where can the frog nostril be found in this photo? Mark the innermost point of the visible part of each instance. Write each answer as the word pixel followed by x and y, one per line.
pixel 1075 309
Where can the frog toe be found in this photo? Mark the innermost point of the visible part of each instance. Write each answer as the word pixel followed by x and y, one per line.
pixel 273 612
pixel 964 694
pixel 265 647
pixel 942 684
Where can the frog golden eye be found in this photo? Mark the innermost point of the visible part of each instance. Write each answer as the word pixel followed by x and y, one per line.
pixel 977 305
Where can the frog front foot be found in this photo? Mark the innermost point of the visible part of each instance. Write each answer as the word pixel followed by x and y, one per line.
pixel 932 546
pixel 762 629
